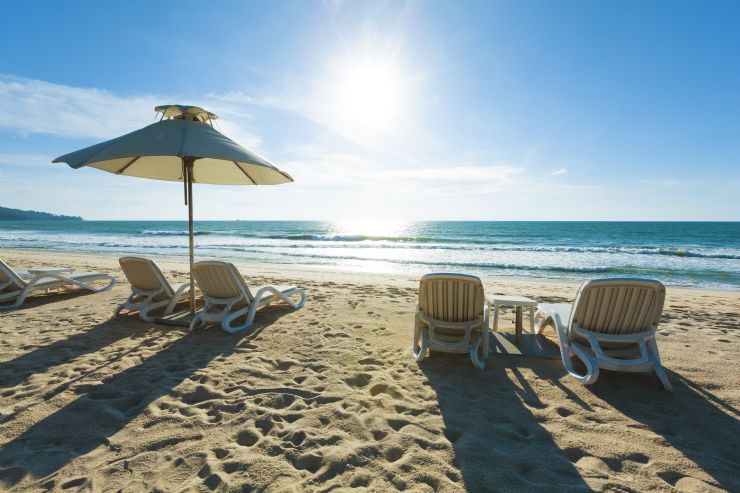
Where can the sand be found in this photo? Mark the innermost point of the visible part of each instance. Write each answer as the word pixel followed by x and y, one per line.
pixel 328 397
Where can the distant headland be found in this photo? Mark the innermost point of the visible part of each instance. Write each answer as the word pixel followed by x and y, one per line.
pixel 7 214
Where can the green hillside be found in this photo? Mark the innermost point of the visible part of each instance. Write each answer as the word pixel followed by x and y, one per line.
pixel 7 214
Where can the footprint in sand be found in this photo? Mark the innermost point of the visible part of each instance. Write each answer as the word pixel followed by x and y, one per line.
pixel 393 454
pixel 245 438
pixel 222 453
pixel 310 462
pixel 358 380
pixel 370 361
pixel 379 434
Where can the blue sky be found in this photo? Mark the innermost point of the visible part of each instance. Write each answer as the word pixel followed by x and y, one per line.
pixel 569 110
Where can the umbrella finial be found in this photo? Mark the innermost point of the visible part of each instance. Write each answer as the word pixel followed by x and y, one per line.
pixel 183 112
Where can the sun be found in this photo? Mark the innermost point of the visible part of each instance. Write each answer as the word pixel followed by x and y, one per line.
pixel 365 99
pixel 369 95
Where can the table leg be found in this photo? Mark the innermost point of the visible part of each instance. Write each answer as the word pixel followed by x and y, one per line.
pixel 519 324
pixel 531 319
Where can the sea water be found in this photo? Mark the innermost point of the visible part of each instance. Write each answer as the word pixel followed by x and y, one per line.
pixel 692 254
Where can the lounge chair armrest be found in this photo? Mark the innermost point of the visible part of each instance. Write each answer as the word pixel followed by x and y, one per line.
pixel 548 315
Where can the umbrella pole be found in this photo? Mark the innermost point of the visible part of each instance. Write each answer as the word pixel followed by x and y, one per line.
pixel 189 175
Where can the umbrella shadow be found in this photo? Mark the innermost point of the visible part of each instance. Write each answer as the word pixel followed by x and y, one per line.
pixel 13 372
pixel 106 408
pixel 692 420
pixel 490 420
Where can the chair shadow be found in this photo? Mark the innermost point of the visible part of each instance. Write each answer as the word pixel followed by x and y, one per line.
pixel 692 420
pixel 38 299
pixel 497 439
pixel 107 407
pixel 13 372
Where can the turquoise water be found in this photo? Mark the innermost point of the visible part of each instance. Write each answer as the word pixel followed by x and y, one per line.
pixel 678 253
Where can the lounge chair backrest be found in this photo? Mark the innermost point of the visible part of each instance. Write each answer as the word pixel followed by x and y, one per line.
pixel 451 297
pixel 618 306
pixel 144 274
pixel 8 278
pixel 220 280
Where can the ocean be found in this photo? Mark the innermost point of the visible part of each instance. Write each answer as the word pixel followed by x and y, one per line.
pixel 689 254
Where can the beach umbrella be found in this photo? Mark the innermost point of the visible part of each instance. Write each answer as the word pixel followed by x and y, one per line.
pixel 182 146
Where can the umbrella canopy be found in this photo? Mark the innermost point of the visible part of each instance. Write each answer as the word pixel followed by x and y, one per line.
pixel 158 152
pixel 182 146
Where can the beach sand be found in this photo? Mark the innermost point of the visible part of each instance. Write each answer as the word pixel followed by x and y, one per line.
pixel 329 396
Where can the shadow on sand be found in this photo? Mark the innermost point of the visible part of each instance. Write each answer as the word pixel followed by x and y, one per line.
pixel 692 420
pixel 13 372
pixel 107 407
pixel 39 298
pixel 497 439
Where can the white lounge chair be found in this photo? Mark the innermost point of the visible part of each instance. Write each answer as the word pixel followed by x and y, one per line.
pixel 15 287
pixel 227 296
pixel 610 325
pixel 452 316
pixel 150 290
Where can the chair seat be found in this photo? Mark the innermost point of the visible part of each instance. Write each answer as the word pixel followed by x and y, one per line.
pixel 82 276
pixel 280 288
pixel 562 309
pixel 178 286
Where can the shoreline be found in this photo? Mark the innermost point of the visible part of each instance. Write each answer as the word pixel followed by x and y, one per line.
pixel 299 270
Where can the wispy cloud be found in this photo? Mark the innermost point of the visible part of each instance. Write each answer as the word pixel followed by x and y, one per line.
pixel 29 106
pixel 316 168
pixel 560 171
pixel 32 106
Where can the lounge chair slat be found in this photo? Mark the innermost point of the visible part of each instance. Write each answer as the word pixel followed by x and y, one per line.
pixel 150 290
pixel 228 297
pixel 619 318
pixel 17 289
pixel 451 316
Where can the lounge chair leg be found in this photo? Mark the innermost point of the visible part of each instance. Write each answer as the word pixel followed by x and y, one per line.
pixel 592 367
pixel 542 321
pixel 420 344
pixel 475 346
pixel 663 377
pixel 18 302
pixel 118 309
pixel 196 322
pixel 652 348
pixel 226 322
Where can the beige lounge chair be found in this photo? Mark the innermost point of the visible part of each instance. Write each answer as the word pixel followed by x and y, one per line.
pixel 149 289
pixel 452 316
pixel 227 297
pixel 610 325
pixel 16 286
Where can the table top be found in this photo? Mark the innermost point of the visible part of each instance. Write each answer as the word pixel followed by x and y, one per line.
pixel 496 299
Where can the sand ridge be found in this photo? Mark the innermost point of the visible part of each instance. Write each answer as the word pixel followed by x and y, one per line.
pixel 329 397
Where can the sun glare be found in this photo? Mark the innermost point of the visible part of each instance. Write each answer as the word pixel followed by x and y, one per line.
pixel 365 100
pixel 372 228
pixel 368 95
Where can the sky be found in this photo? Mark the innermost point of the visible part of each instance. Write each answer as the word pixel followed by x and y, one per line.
pixel 404 110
